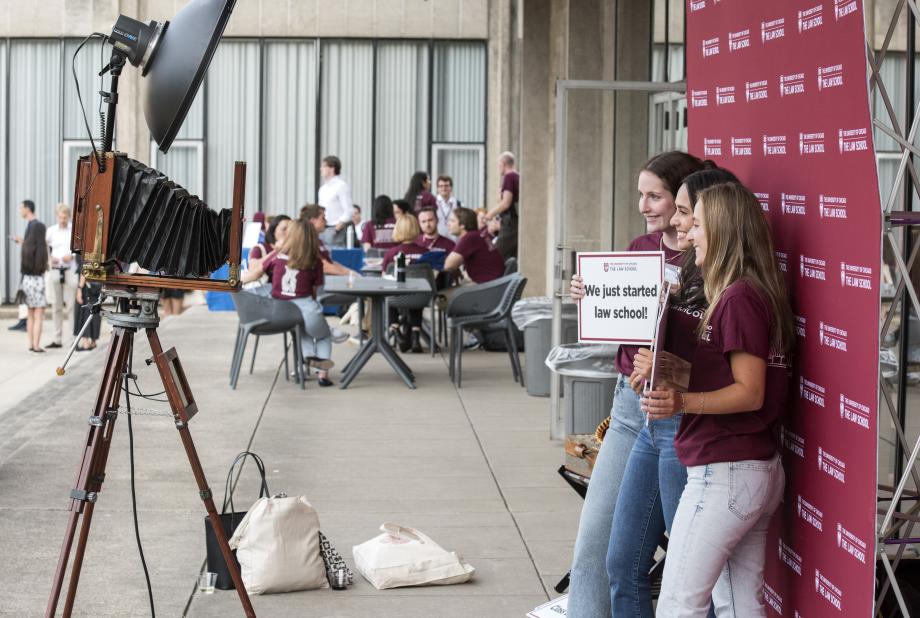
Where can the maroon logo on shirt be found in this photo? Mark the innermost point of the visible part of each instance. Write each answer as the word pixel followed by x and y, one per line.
pixel 772 29
pixel 810 514
pixel 772 599
pixel 756 91
pixel 832 466
pixel 741 147
pixel 852 140
pixel 830 76
pixel 811 143
pixel 851 544
pixel 774 145
pixel 842 8
pixel 809 19
pixel 790 557
pixel 828 591
pixel 739 40
pixel 832 207
pixel 855 412
pixel 711 47
pixel 832 337
pixel 811 391
pixel 854 276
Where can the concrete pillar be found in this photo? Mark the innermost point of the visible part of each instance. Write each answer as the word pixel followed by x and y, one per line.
pixel 504 90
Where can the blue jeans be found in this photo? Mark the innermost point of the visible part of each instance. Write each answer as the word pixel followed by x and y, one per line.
pixel 589 589
pixel 652 484
pixel 315 336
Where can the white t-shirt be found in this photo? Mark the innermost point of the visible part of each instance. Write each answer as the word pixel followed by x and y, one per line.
pixel 58 239
pixel 335 197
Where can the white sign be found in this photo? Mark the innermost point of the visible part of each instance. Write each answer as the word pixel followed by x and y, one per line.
pixel 554 609
pixel 251 235
pixel 621 296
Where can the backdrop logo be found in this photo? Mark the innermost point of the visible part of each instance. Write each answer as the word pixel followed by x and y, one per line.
pixel 773 29
pixel 741 147
pixel 826 588
pixel 810 514
pixel 832 207
pixel 832 466
pixel 800 326
pixel 790 558
pixel 699 98
pixel 739 40
pixel 711 47
pixel 811 391
pixel 764 199
pixel 712 147
pixel 774 145
pixel 842 8
pixel 853 276
pixel 809 19
pixel 855 412
pixel 725 95
pixel 756 91
pixel 792 204
pixel 794 442
pixel 697 5
pixel 772 599
pixel 850 543
pixel 852 140
pixel 782 260
pixel 811 143
pixel 794 83
pixel 830 77
pixel 812 268
pixel 832 337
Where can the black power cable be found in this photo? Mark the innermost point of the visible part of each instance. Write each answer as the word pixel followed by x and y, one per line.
pixel 76 81
pixel 137 532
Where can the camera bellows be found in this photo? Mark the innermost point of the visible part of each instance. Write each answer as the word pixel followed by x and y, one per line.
pixel 157 224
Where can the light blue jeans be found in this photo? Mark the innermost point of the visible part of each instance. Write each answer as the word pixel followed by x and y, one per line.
pixel 718 541
pixel 315 336
pixel 652 485
pixel 589 587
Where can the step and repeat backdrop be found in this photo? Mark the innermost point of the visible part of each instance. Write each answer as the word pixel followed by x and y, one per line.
pixel 777 92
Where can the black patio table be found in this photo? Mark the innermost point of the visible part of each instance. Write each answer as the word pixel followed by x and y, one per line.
pixel 377 289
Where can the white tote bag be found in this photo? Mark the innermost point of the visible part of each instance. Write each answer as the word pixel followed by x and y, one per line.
pixel 277 546
pixel 404 556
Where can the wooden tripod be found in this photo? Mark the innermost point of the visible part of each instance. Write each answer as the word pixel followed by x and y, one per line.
pixel 136 308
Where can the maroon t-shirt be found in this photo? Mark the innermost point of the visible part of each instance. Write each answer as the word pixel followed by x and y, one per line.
pixel 425 200
pixel 379 236
pixel 438 243
pixel 647 242
pixel 408 248
pixel 482 260
pixel 680 335
pixel 511 182
pixel 740 322
pixel 258 252
pixel 288 283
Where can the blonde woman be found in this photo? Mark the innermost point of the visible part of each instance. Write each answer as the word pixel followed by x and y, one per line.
pixel 406 232
pixel 731 413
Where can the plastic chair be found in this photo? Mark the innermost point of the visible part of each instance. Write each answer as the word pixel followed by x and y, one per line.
pixel 485 304
pixel 260 315
pixel 420 301
pixel 511 265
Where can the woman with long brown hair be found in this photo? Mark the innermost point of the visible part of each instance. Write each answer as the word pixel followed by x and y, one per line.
pixel 730 414
pixel 34 267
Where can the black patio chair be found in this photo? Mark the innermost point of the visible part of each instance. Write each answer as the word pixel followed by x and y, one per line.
pixel 260 316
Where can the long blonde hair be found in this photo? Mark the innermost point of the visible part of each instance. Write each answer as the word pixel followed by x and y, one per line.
pixel 740 247
pixel 301 245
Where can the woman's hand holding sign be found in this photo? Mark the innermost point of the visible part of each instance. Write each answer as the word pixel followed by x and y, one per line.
pixel 672 371
pixel 662 403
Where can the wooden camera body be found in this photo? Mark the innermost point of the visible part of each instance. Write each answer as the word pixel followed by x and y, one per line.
pixel 93 211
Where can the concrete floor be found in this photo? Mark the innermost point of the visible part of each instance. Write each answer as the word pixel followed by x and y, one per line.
pixel 471 468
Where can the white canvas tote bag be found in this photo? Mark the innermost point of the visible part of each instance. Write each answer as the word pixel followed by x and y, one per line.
pixel 277 546
pixel 403 556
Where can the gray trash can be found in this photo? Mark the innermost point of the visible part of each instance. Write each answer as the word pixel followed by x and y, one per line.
pixel 534 316
pixel 589 377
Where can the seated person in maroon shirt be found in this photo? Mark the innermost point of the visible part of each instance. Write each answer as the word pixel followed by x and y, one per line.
pixel 405 234
pixel 479 257
pixel 378 232
pixel 406 324
pixel 315 215
pixel 429 238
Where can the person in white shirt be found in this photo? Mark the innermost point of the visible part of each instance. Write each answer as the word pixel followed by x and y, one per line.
pixel 62 277
pixel 335 198
pixel 447 203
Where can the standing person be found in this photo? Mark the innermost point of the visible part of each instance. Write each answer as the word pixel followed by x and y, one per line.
pixel 27 212
pixel 430 238
pixel 62 278
pixel 507 207
pixel 378 232
pixel 419 195
pixel 88 293
pixel 589 592
pixel 446 204
pixel 731 412
pixel 335 197
pixel 297 272
pixel 34 265
pixel 654 477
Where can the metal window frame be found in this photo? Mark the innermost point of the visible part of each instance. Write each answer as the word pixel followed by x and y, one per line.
pixel 437 147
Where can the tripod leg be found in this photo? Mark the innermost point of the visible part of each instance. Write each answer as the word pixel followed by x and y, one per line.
pixel 176 392
pixel 92 471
